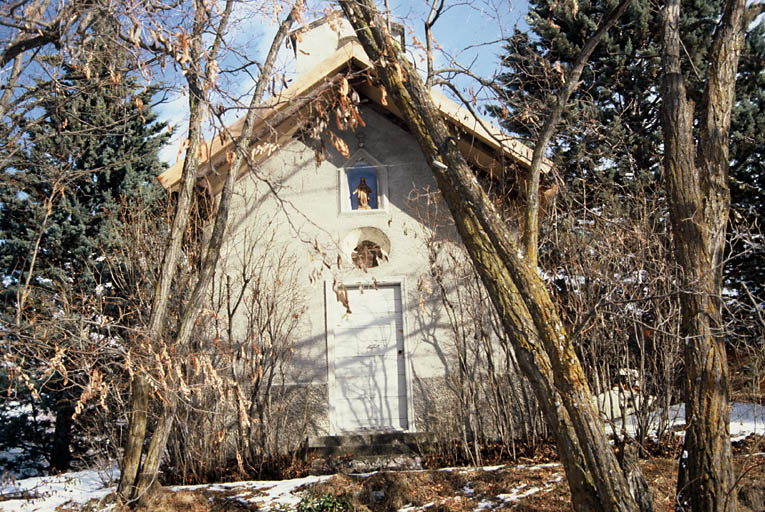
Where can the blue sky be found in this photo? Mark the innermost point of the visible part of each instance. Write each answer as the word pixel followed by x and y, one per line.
pixel 469 30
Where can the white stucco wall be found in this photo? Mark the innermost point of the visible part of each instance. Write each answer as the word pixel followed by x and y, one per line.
pixel 305 213
pixel 318 40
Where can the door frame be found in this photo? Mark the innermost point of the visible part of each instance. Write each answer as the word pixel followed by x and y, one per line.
pixel 331 309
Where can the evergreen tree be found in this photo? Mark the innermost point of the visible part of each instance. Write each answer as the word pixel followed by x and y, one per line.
pixel 612 130
pixel 92 153
pixel 94 150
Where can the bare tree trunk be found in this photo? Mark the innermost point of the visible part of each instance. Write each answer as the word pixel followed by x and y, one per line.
pixel 138 476
pixel 131 465
pixel 697 186
pixel 131 459
pixel 545 352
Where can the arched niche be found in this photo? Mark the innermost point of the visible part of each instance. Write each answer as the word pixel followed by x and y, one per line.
pixel 366 247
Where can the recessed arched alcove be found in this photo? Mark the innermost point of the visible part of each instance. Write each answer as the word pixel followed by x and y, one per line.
pixel 367 247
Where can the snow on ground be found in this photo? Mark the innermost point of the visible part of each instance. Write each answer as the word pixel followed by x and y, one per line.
pixel 745 419
pixel 271 493
pixel 522 491
pixel 44 494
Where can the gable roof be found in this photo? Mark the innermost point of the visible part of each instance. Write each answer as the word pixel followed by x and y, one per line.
pixel 482 144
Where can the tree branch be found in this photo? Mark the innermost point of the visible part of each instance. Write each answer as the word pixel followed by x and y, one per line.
pixel 530 239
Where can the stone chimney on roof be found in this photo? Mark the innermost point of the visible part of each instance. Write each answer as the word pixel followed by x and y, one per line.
pixel 317 40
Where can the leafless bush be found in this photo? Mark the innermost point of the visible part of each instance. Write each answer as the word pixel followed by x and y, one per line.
pixel 744 308
pixel 71 353
pixel 493 403
pixel 607 258
pixel 247 413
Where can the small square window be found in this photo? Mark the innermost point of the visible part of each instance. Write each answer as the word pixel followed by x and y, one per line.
pixel 363 185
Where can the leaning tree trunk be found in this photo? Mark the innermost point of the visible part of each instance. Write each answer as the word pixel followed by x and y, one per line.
pixel 697 187
pixel 544 350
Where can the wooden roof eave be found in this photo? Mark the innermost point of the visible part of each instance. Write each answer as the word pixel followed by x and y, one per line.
pixel 491 139
pixel 215 153
pixel 274 128
pixel 486 133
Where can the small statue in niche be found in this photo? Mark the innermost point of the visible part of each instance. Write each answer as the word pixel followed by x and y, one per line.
pixel 368 255
pixel 363 192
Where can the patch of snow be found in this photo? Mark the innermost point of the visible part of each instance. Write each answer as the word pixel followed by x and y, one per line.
pixel 364 475
pixel 492 468
pixel 539 466
pixel 46 493
pixel 413 508
pixel 272 493
pixel 484 505
pixel 519 492
pixel 466 468
pixel 745 419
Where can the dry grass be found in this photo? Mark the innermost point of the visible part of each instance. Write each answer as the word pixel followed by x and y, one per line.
pixel 526 488
pixel 465 490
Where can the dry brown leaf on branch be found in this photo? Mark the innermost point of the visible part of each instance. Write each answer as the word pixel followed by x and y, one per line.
pixel 339 144
pixel 574 7
pixel 356 119
pixel 341 293
pixel 184 42
pixel 203 152
pixel 340 117
pixel 115 76
pixel 139 104
pixel 400 71
pixel 344 86
pixel 559 69
pixel 383 96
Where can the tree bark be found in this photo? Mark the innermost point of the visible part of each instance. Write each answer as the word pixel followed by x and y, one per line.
pixel 697 187
pixel 61 455
pixel 131 459
pixel 545 353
